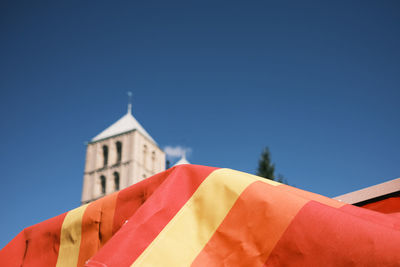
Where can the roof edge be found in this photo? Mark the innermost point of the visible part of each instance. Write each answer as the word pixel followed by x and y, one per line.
pixel 152 141
pixel 371 192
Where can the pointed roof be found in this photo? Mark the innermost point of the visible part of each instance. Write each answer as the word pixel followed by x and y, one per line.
pixel 182 161
pixel 125 124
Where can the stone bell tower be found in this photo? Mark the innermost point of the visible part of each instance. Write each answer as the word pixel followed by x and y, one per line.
pixel 121 155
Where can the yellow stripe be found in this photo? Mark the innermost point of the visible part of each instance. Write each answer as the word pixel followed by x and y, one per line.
pixel 70 239
pixel 186 234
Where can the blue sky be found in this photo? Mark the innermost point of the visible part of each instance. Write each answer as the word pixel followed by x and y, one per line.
pixel 317 82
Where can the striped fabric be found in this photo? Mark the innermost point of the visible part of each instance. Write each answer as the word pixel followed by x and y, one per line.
pixel 203 216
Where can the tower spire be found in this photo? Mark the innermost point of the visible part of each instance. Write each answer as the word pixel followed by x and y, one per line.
pixel 129 102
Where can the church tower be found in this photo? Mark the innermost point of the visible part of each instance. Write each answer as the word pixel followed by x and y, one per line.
pixel 121 155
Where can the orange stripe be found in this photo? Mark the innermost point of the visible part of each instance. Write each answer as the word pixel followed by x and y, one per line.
pixel 90 232
pixel 311 196
pixel 107 218
pixel 97 225
pixel 252 227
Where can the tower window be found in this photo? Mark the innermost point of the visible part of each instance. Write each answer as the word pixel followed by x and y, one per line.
pixel 103 184
pixel 144 155
pixel 105 155
pixel 119 151
pixel 153 160
pixel 116 181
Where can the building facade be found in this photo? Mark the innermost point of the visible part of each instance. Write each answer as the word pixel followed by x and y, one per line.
pixel 121 155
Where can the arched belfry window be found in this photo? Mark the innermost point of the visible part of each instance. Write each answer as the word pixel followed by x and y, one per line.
pixel 153 160
pixel 116 181
pixel 119 151
pixel 144 155
pixel 103 184
pixel 105 155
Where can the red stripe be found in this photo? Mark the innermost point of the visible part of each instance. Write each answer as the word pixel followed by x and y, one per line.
pixel 13 253
pixel 391 221
pixel 133 197
pixel 37 245
pixel 153 206
pixel 322 235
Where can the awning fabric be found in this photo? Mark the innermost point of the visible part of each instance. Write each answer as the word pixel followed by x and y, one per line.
pixel 387 205
pixel 203 216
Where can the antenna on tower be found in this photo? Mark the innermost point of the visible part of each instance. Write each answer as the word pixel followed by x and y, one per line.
pixel 129 102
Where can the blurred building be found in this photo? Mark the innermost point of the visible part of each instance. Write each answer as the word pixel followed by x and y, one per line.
pixel 121 155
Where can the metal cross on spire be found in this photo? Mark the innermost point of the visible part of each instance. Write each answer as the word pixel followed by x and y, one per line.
pixel 130 102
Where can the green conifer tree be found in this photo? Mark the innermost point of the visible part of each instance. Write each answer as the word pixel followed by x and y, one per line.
pixel 265 167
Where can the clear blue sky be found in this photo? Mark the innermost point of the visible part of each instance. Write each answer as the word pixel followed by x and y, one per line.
pixel 317 82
